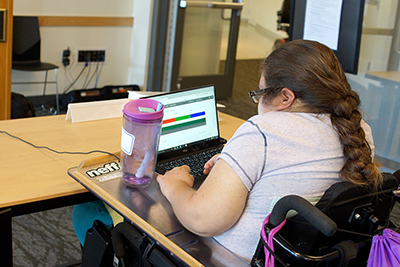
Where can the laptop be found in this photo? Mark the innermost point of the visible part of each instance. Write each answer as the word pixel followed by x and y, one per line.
pixel 190 129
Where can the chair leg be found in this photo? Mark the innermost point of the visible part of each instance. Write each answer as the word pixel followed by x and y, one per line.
pixel 6 254
pixel 57 102
pixel 44 89
pixel 44 92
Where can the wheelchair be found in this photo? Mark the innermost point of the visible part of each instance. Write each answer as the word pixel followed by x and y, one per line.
pixel 123 246
pixel 337 231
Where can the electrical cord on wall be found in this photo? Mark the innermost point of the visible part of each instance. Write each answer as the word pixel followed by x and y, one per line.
pixel 68 78
pixel 59 152
pixel 87 75
pixel 67 69
pixel 98 76
pixel 72 84
pixel 87 81
pixel 94 73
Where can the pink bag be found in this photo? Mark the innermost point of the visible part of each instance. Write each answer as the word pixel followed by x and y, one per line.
pixel 269 258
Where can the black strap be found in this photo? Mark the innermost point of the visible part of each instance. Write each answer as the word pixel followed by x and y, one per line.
pixel 348 251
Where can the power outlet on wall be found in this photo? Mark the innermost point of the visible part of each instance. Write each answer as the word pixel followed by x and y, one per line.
pixel 94 54
pixel 91 56
pixel 65 57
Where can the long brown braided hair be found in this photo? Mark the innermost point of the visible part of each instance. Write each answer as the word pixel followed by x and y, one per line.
pixel 312 71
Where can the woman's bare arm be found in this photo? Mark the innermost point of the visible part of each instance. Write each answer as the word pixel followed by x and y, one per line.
pixel 214 207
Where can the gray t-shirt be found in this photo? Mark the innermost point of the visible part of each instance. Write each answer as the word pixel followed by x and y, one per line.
pixel 277 154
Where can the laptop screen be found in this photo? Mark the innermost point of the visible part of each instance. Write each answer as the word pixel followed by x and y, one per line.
pixel 190 116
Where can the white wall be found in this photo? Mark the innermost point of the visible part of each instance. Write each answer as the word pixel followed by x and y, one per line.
pixel 140 43
pixel 380 14
pixel 126 47
pixel 263 13
pixel 375 49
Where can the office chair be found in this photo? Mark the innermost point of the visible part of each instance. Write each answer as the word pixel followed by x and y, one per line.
pixel 284 16
pixel 337 231
pixel 26 51
pixel 283 22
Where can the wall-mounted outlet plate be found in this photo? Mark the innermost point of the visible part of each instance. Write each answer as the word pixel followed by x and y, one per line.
pixel 90 55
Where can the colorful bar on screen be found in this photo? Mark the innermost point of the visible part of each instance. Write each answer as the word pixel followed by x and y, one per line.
pixel 183 126
pixel 194 115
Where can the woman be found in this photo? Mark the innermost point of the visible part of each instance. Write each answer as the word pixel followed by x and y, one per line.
pixel 308 135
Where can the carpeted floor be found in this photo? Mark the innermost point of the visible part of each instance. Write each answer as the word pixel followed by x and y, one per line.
pixel 246 78
pixel 45 239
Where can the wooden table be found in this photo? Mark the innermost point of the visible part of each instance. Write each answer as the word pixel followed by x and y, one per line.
pixel 35 179
pixel 30 175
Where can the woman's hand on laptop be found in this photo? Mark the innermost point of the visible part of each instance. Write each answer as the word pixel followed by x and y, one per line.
pixel 210 164
pixel 213 208
pixel 178 176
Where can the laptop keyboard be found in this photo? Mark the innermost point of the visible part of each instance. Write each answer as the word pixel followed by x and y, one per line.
pixel 194 161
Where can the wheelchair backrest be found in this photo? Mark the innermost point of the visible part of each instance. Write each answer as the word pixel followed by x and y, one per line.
pixel 359 212
pixel 358 208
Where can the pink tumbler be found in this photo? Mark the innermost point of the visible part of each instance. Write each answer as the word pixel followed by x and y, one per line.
pixel 141 128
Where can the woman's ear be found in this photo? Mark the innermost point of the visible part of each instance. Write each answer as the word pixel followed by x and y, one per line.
pixel 285 99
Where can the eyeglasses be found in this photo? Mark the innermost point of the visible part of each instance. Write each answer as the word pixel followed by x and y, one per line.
pixel 257 94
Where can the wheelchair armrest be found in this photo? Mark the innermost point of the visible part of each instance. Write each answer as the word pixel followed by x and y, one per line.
pixel 309 212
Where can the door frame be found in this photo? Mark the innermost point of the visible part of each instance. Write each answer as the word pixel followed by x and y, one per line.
pixel 6 62
pixel 166 47
pixel 394 57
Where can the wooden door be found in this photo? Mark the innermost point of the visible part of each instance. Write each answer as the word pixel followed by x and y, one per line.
pixel 6 7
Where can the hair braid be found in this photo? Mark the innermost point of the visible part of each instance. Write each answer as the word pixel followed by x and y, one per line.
pixel 359 167
pixel 312 71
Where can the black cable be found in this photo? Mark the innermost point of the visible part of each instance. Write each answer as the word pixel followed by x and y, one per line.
pixel 87 76
pixel 354 233
pixel 94 73
pixel 60 152
pixel 66 75
pixel 69 87
pixel 98 76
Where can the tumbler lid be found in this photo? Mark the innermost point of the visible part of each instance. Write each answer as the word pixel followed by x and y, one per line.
pixel 131 109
